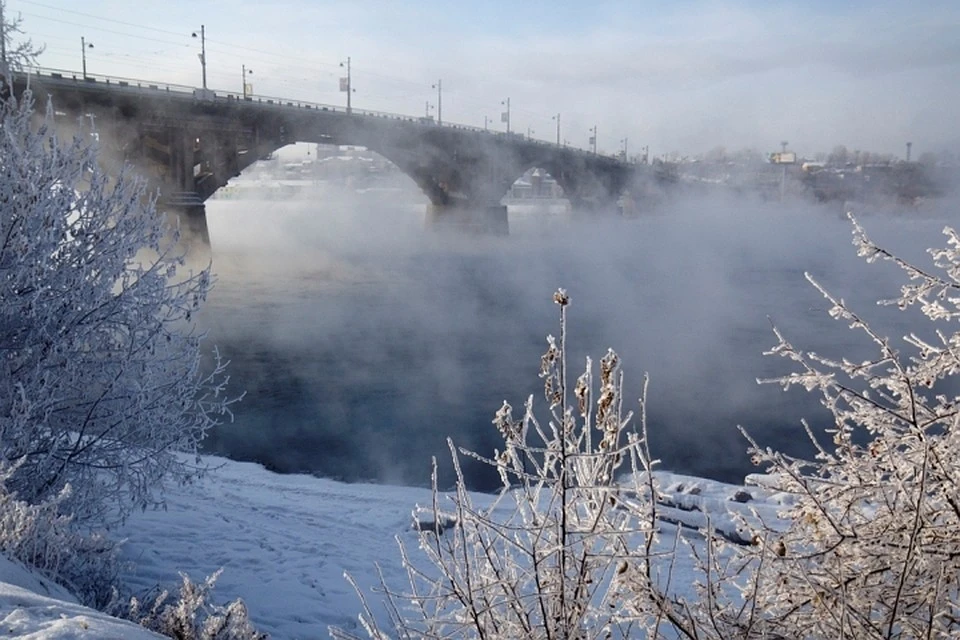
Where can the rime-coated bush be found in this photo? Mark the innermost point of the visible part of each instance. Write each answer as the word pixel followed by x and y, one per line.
pixel 546 559
pixel 40 536
pixel 874 546
pixel 191 615
pixel 100 371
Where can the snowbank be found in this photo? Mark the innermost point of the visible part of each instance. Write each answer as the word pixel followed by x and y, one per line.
pixel 33 608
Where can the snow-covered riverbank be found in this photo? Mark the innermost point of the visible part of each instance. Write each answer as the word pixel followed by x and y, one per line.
pixel 285 541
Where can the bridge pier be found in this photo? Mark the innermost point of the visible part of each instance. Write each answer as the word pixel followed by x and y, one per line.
pixel 193 225
pixel 469 217
pixel 187 212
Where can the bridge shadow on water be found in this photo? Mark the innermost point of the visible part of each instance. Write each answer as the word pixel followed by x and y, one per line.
pixel 363 342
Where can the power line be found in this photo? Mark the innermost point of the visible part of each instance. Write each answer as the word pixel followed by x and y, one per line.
pixel 90 15
pixel 103 29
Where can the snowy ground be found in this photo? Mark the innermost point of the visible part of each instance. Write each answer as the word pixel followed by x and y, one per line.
pixel 284 542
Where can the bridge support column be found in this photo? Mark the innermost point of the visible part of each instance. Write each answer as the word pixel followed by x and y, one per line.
pixel 469 217
pixel 193 225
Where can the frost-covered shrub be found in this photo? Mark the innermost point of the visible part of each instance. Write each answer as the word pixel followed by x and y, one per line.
pixel 40 536
pixel 191 616
pixel 873 550
pixel 100 378
pixel 545 559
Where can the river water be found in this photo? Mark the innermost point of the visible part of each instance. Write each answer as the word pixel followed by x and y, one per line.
pixel 363 340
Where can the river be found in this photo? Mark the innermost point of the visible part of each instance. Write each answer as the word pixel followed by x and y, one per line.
pixel 363 340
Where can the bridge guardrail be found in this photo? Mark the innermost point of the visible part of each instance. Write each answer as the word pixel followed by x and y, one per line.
pixel 140 85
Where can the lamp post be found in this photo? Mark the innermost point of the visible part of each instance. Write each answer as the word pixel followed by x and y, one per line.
pixel 783 171
pixel 505 116
pixel 486 121
pixel 593 138
pixel 243 78
pixel 439 87
pixel 426 109
pixel 203 52
pixel 530 132
pixel 348 87
pixel 557 118
pixel 623 141
pixel 84 45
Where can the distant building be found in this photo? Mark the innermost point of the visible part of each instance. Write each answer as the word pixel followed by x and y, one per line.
pixel 536 183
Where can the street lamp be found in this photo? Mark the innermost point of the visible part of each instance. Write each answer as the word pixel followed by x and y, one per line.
pixel 557 118
pixel 84 45
pixel 426 110
pixel 505 116
pixel 203 52
pixel 346 84
pixel 486 121
pixel 243 78
pixel 439 87
pixel 530 132
pixel 623 141
pixel 593 138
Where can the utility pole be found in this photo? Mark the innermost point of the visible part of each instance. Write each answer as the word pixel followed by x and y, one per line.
pixel 909 145
pixel 485 121
pixel 439 88
pixel 557 118
pixel 84 45
pixel 505 116
pixel 530 133
pixel 593 139
pixel 624 143
pixel 349 88
pixel 203 52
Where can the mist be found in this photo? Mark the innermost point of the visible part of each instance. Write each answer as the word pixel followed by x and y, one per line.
pixel 364 340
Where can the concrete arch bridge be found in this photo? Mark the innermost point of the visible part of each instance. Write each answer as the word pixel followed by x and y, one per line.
pixel 190 142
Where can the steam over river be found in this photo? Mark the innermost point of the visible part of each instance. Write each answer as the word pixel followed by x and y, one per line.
pixel 363 341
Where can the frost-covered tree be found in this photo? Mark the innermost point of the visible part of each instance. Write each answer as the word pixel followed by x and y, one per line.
pixel 15 53
pixel 101 384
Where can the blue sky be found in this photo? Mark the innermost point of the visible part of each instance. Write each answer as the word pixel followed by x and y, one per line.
pixel 682 76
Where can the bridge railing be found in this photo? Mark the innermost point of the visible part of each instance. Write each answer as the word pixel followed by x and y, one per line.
pixel 93 80
pixel 134 84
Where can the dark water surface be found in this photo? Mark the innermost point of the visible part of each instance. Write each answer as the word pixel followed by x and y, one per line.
pixel 364 341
